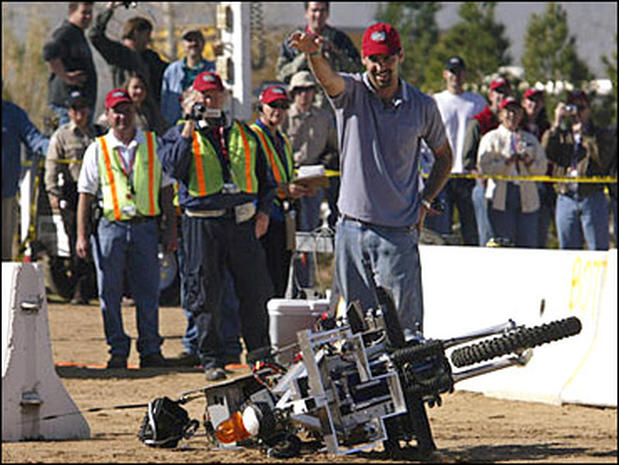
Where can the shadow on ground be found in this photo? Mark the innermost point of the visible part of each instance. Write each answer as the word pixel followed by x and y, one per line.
pixel 80 372
pixel 491 454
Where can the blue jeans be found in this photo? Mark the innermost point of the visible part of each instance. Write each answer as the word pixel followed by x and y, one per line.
pixel 119 245
pixel 393 255
pixel 581 219
pixel 480 204
pixel 456 192
pixel 520 228
pixel 230 324
pixel 548 200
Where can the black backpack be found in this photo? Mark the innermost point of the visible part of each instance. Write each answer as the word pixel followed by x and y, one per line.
pixel 166 423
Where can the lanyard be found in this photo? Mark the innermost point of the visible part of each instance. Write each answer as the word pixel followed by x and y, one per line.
pixel 218 136
pixel 127 169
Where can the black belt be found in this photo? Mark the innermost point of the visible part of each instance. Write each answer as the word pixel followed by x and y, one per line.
pixel 139 219
pixel 374 225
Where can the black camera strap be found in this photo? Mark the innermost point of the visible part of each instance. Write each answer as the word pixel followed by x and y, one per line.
pixel 217 138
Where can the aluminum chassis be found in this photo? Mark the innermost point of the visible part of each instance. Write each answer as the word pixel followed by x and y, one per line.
pixel 347 388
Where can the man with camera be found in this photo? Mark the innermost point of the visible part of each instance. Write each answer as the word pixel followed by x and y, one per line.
pixel 579 149
pixel 226 194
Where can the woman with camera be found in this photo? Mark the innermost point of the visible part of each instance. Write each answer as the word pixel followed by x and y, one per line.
pixel 510 151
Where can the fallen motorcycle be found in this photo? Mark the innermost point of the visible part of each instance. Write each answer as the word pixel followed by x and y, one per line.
pixel 355 383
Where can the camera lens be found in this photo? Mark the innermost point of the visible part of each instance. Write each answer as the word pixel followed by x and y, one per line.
pixel 198 110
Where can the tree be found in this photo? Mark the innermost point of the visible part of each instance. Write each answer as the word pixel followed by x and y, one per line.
pixel 477 38
pixel 416 23
pixel 24 72
pixel 550 52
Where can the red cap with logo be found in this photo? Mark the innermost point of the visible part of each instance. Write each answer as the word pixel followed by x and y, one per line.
pixel 207 81
pixel 498 83
pixel 272 94
pixel 508 101
pixel 116 97
pixel 532 92
pixel 381 39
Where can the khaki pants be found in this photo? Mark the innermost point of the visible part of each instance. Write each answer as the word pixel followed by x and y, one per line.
pixel 9 219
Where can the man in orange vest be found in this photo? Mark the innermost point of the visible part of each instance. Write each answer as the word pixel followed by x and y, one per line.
pixel 226 194
pixel 122 168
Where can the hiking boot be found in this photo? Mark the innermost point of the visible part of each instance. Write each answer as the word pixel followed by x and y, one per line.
pixel 117 361
pixel 215 374
pixel 155 360
pixel 185 359
pixel 79 300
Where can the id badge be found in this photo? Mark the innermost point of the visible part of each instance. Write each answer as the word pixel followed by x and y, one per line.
pixel 291 230
pixel 130 210
pixel 230 188
pixel 244 212
pixel 572 173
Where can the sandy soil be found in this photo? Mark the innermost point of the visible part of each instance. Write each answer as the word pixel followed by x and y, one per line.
pixel 467 428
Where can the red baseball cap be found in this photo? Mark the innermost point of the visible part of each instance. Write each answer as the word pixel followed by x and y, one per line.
pixel 498 83
pixel 272 94
pixel 381 39
pixel 116 97
pixel 532 92
pixel 509 101
pixel 207 81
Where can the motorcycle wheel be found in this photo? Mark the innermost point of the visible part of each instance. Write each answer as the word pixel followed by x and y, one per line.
pixel 517 340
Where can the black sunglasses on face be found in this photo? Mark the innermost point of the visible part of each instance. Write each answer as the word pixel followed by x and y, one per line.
pixel 282 105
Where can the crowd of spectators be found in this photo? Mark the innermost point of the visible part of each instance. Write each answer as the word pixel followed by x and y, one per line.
pixel 165 133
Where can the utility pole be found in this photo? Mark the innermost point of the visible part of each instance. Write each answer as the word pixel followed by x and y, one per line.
pixel 170 21
pixel 234 67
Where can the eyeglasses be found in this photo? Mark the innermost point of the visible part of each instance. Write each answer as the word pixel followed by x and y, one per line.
pixel 279 104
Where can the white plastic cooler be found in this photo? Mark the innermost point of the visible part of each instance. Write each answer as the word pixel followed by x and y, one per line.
pixel 287 317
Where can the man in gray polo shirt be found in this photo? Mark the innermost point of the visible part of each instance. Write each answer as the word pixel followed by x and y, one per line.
pixel 383 201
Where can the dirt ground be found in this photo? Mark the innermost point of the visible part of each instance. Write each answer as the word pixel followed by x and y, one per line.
pixel 467 428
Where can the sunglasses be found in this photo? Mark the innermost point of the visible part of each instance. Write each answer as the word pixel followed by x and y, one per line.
pixel 279 104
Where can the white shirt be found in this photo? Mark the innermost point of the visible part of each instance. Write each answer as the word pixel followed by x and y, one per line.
pixel 90 179
pixel 495 148
pixel 456 110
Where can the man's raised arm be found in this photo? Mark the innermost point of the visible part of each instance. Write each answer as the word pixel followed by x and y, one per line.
pixel 311 46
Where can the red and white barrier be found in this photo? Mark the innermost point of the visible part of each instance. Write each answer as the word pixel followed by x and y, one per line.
pixel 31 389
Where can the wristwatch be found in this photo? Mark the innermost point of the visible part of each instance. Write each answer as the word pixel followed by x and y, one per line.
pixel 426 204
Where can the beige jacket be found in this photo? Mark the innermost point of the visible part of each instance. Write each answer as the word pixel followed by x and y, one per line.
pixel 495 148
pixel 312 135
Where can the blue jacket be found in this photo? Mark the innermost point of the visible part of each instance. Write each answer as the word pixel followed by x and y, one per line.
pixel 176 155
pixel 173 85
pixel 17 129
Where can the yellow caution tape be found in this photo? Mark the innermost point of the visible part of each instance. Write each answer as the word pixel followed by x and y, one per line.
pixel 499 177
pixel 59 161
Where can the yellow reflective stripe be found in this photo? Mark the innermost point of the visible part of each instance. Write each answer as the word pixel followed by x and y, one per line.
pixel 197 155
pixel 151 172
pixel 248 159
pixel 110 175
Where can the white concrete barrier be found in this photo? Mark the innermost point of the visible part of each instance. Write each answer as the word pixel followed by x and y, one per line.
pixel 31 389
pixel 468 288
